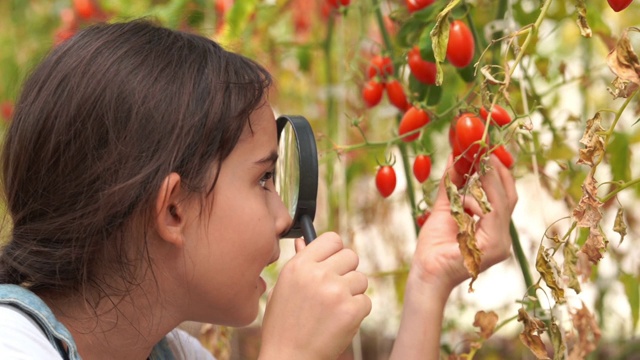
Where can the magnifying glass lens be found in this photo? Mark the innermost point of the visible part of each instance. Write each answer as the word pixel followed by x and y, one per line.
pixel 288 169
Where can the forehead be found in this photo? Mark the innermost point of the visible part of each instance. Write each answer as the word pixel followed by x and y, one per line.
pixel 261 127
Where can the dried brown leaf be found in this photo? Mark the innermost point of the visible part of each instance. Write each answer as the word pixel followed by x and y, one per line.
pixel 466 237
pixel 481 197
pixel 581 8
pixel 588 333
pixel 550 272
pixel 559 347
pixel 486 321
pixel 587 213
pixel 595 245
pixel 619 225
pixel 624 63
pixel 530 335
pixel 593 140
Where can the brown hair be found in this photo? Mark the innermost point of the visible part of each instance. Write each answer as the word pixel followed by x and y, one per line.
pixel 99 124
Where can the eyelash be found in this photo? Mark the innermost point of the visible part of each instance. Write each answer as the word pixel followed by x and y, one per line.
pixel 266 177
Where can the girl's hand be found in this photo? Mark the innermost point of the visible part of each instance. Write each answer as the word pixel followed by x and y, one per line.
pixel 438 260
pixel 318 302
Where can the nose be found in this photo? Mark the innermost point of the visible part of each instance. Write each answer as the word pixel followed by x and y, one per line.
pixel 283 219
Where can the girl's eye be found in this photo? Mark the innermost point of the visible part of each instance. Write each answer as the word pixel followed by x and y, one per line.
pixel 265 179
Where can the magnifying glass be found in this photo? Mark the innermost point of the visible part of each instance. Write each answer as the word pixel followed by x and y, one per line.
pixel 296 175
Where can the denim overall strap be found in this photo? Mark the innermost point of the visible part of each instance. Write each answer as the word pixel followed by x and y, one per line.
pixel 31 305
pixel 162 351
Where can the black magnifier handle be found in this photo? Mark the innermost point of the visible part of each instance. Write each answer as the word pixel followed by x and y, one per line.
pixel 308 230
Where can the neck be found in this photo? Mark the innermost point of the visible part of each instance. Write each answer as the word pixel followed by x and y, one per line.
pixel 116 327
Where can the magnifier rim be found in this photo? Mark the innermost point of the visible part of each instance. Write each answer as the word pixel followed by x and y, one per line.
pixel 308 187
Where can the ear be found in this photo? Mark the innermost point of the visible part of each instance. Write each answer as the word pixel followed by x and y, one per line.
pixel 170 211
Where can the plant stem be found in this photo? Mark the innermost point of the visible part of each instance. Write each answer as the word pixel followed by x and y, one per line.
pixel 522 259
pixel 332 122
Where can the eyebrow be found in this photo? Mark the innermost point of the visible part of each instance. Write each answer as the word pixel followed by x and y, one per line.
pixel 269 159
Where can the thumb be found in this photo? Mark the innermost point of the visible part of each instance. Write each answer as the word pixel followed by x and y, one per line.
pixel 299 244
pixel 455 177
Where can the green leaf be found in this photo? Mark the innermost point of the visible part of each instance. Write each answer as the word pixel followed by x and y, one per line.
pixel 632 290
pixel 426 46
pixel 239 16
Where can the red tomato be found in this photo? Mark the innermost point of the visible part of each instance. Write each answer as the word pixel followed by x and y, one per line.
pixel 396 95
pixel 461 46
pixel 469 131
pixel 6 109
pixel 381 66
pixel 422 167
pixel 372 92
pixel 463 166
pixel 85 8
pixel 619 5
pixel 422 218
pixel 499 116
pixel 424 71
pixel 415 5
pixel 504 156
pixel 386 180
pixel 415 118
pixel 63 35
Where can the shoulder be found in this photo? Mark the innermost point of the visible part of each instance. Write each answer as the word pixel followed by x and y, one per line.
pixel 185 346
pixel 21 338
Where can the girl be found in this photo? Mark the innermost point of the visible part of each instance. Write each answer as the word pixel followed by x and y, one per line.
pixel 138 179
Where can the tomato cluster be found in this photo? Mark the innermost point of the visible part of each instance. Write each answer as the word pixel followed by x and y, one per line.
pixel 380 78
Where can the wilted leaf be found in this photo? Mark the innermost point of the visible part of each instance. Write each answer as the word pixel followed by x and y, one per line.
pixel 530 336
pixel 466 233
pixel 486 321
pixel 623 62
pixel 559 346
pixel 570 266
pixel 587 213
pixel 595 245
pixel 581 8
pixel 588 333
pixel 550 272
pixel 593 140
pixel 632 290
pixel 619 225
pixel 481 197
pixel 440 38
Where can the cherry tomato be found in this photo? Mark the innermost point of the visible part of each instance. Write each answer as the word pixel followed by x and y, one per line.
pixel 415 5
pixel 422 218
pixel 504 156
pixel 6 110
pixel 461 46
pixel 424 71
pixel 499 116
pixel 396 95
pixel 619 5
pixel 469 131
pixel 386 180
pixel 380 66
pixel 372 92
pixel 85 8
pixel 422 167
pixel 413 119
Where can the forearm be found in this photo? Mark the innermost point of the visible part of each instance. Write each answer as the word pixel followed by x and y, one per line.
pixel 421 322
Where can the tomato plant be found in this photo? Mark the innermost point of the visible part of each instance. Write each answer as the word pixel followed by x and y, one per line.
pixel 414 119
pixel 424 71
pixel 415 5
pixel 422 167
pixel 461 46
pixel 396 95
pixel 619 5
pixel 372 92
pixel 85 8
pixel 386 180
pixel 499 116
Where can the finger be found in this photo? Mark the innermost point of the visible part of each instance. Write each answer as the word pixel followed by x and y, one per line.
pixel 358 282
pixel 322 247
pixel 299 244
pixel 508 183
pixel 454 176
pixel 492 183
pixel 364 304
pixel 343 262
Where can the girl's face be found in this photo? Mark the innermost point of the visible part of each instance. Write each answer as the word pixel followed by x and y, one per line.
pixel 236 236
